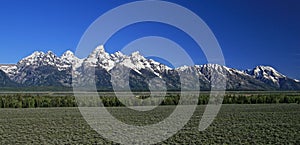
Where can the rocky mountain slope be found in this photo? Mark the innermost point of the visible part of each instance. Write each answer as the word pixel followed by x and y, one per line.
pixel 49 70
pixel 5 81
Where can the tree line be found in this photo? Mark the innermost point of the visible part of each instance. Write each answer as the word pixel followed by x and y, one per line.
pixel 29 101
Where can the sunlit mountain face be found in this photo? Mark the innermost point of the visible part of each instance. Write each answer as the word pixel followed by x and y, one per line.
pixel 47 69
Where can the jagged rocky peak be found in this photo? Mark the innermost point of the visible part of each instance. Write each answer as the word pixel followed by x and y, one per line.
pixel 99 51
pixel 51 57
pixel 39 58
pixel 98 54
pixel 138 59
pixel 68 54
pixel 42 69
pixel 207 68
pixel 36 53
pixel 212 65
pixel 69 59
pixel 184 68
pixel 137 55
pixel 117 56
pixel 9 69
pixel 99 57
pixel 50 53
pixel 265 72
pixel 31 58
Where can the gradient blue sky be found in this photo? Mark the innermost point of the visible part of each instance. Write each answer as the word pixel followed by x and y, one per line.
pixel 250 32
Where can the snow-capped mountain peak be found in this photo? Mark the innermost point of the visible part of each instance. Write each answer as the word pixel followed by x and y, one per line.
pixel 34 55
pixel 99 57
pixel 135 61
pixel 183 68
pixel 215 67
pixel 100 49
pixel 266 73
pixel 98 52
pixel 31 59
pixel 68 54
pixel 136 54
pixel 42 69
pixel 50 53
pixel 9 69
pixel 68 59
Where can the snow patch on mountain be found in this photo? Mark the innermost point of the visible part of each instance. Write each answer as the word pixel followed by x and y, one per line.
pixel 9 69
pixel 138 62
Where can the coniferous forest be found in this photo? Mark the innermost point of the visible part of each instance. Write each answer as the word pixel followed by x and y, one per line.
pixel 42 101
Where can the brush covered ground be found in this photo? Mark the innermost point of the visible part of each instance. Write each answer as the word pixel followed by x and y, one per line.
pixel 235 124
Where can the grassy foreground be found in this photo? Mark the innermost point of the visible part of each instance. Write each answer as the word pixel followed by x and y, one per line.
pixel 235 124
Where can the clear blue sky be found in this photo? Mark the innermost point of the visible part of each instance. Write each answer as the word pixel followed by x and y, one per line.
pixel 250 32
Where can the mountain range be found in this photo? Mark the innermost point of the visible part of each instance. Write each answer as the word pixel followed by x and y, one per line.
pixel 40 70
